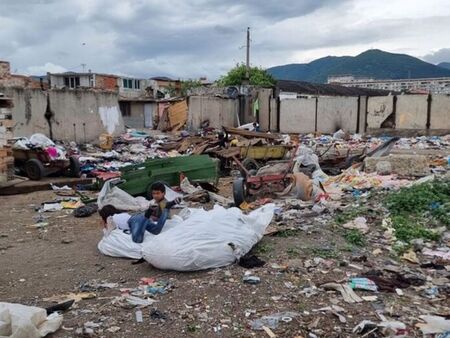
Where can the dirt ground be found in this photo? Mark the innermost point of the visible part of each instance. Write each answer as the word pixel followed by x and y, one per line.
pixel 40 263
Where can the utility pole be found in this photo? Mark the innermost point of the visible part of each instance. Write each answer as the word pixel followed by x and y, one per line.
pixel 247 70
pixel 84 67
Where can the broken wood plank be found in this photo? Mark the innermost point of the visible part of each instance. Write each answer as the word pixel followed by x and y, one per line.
pixel 246 133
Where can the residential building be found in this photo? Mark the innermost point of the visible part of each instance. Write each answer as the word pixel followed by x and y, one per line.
pixel 14 80
pixel 439 85
pixel 73 80
pixel 165 86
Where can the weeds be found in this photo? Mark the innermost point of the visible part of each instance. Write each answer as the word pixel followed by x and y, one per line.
pixel 417 208
pixel 263 248
pixel 293 252
pixel 324 253
pixel 354 237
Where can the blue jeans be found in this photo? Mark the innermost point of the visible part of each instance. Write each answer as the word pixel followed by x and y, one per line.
pixel 139 224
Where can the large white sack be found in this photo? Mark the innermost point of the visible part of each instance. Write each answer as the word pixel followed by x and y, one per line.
pixel 207 239
pixel 117 243
pixel 194 240
pixel 22 321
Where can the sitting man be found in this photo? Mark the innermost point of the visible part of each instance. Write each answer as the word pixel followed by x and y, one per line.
pixel 152 220
pixel 155 217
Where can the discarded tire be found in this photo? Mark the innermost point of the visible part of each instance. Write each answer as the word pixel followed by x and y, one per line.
pixel 34 169
pixel 239 191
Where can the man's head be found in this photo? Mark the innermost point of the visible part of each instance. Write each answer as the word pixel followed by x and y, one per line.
pixel 158 191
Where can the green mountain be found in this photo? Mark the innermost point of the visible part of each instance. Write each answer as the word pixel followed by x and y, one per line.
pixel 444 65
pixel 373 63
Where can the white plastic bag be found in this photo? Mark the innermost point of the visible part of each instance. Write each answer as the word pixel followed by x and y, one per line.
pixel 41 140
pixel 22 321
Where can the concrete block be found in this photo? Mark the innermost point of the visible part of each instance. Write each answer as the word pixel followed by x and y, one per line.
pixel 440 112
pixel 411 112
pixel 334 113
pixel 400 164
pixel 378 110
pixel 298 116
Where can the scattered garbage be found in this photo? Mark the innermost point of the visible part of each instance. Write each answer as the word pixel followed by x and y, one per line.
pixel 272 321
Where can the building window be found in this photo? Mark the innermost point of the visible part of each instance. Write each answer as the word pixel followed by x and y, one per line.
pixel 131 84
pixel 72 82
pixel 125 108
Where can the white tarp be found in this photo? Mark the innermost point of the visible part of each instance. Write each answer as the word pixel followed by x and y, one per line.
pixel 112 195
pixel 194 240
pixel 21 321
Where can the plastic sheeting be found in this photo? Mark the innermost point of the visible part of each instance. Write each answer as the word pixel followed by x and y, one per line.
pixel 194 240
pixel 21 321
pixel 112 195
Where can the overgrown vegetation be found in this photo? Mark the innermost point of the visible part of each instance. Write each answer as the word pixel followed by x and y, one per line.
pixel 237 75
pixel 416 210
pixel 354 237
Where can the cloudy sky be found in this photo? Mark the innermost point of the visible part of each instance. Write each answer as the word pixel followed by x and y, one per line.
pixel 187 39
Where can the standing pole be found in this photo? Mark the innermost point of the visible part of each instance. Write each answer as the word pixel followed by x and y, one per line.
pixel 247 70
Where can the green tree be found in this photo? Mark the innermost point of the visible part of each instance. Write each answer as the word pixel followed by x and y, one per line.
pixel 236 76
pixel 189 84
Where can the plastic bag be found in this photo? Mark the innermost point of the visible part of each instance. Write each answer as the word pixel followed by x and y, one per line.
pixel 306 157
pixel 111 195
pixel 41 140
pixel 21 321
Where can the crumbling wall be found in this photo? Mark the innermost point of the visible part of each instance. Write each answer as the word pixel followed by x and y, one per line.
pixel 411 112
pixel 440 112
pixel 334 113
pixel 219 111
pixel 298 115
pixel 73 115
pixel 273 116
pixel 136 117
pixel 379 108
pixel 264 95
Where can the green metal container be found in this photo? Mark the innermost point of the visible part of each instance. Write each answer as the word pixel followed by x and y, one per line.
pixel 197 168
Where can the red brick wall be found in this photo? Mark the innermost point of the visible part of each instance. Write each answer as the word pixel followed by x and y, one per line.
pixel 106 82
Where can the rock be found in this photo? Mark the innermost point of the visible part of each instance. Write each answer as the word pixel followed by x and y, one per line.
pixel 383 168
pixel 401 164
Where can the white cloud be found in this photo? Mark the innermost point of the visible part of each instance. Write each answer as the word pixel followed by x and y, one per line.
pixel 47 68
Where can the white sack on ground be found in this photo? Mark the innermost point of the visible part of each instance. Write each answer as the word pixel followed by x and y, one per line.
pixel 199 240
pixel 22 321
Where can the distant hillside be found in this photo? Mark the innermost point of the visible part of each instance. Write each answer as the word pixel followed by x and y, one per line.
pixel 444 65
pixel 373 63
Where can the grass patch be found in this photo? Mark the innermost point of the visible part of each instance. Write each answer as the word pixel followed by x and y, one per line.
pixel 293 252
pixel 416 210
pixel 286 233
pixel 262 248
pixel 324 253
pixel 354 237
pixel 408 228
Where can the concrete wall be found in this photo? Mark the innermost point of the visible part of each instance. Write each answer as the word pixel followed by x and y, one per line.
pixel 411 112
pixel 220 112
pixel 273 115
pixel 298 115
pixel 440 112
pixel 264 95
pixel 378 109
pixel 136 117
pixel 334 113
pixel 362 114
pixel 77 115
